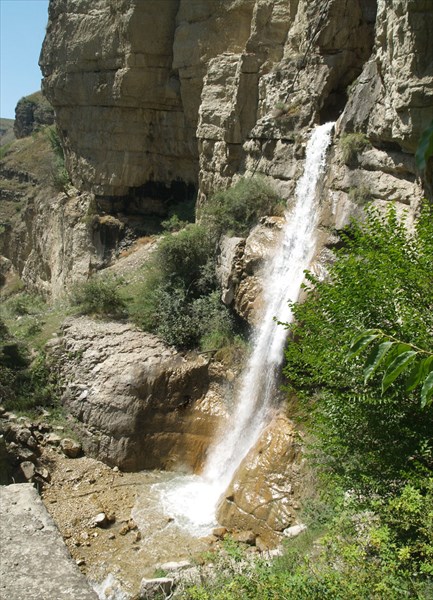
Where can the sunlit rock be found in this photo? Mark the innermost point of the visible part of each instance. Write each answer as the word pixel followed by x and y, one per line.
pixel 138 403
pixel 264 491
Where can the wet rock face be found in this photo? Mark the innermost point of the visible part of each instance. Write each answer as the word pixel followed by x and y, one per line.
pixel 263 494
pixel 138 403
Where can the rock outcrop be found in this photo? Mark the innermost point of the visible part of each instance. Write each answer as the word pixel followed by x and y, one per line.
pixel 32 113
pixel 138 404
pixel 264 493
pixel 159 102
pixel 240 267
pixel 222 88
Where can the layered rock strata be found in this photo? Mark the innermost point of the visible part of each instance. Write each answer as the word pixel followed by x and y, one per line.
pixel 264 493
pixel 220 88
pixel 138 404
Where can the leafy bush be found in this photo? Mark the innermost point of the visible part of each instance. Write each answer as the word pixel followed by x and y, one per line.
pixel 360 195
pixel 352 144
pixel 184 257
pixel 25 383
pixel 236 210
pixel 99 296
pixel 425 148
pixel 178 299
pixel 23 304
pixel 382 278
pixel 59 174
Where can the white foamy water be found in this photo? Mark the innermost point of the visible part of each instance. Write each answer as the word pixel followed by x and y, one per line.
pixel 192 500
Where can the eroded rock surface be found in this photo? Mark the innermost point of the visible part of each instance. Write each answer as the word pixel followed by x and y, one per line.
pixel 264 493
pixel 241 268
pixel 228 87
pixel 42 567
pixel 138 403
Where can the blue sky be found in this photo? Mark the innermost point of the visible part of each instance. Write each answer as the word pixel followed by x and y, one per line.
pixel 22 30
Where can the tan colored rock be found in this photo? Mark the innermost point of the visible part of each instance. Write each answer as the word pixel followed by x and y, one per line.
pixel 151 589
pixel 139 403
pixel 158 99
pixel 394 94
pixel 245 537
pixel 263 491
pixel 241 267
pixel 27 469
pixel 71 448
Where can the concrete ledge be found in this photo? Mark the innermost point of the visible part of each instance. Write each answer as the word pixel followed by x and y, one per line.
pixel 35 563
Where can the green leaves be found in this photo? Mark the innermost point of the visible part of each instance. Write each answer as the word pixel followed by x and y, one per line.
pixel 394 358
pixel 375 358
pixel 361 341
pixel 398 365
pixel 378 295
pixel 427 390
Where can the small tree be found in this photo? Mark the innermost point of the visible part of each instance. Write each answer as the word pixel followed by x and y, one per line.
pixel 371 434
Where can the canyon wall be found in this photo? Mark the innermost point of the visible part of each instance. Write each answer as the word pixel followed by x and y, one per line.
pixel 164 102
pixel 160 102
pixel 198 91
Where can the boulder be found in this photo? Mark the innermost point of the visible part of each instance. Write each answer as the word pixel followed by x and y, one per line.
pixel 262 497
pixel 145 405
pixel 27 468
pixel 71 448
pixel 150 589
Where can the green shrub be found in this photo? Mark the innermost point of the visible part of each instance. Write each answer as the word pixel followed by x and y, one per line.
pixel 183 257
pixel 352 144
pixel 59 174
pixel 178 299
pixel 360 195
pixel 236 210
pixel 99 296
pixel 173 223
pixel 382 278
pixel 25 383
pixel 24 304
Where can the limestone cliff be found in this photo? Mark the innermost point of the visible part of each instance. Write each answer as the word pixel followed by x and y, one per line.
pixel 160 102
pixel 196 91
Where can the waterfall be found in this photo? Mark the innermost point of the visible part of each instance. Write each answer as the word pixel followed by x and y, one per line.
pixel 192 500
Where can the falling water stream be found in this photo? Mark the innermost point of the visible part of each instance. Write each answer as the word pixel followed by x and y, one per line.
pixel 192 500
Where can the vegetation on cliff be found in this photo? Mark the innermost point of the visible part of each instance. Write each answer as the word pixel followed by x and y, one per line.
pixel 25 380
pixel 371 528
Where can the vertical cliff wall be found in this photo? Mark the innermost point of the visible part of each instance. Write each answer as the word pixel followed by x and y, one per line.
pixel 160 101
pixel 197 91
